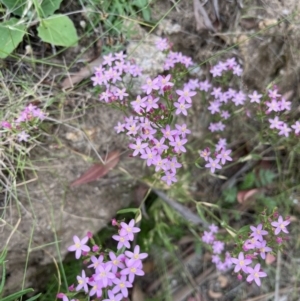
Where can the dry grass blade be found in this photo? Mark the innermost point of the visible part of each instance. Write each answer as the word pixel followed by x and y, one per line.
pixel 216 8
pixel 199 8
pixel 82 74
pixel 98 170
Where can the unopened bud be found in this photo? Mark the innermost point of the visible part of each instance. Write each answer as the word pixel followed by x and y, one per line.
pixel 95 248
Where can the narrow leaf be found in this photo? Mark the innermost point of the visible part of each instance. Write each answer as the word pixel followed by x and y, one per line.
pixel 127 210
pixel 34 297
pixel 17 295
pixel 98 170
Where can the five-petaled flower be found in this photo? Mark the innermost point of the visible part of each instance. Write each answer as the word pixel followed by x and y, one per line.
pixel 79 246
pixel 280 225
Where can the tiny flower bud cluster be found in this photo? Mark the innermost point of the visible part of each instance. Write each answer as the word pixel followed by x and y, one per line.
pixel 28 118
pixel 113 273
pixel 209 237
pixel 258 245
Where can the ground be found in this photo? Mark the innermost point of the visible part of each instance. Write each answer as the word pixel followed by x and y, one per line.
pixel 48 211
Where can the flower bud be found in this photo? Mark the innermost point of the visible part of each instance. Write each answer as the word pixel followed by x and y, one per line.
pixel 95 248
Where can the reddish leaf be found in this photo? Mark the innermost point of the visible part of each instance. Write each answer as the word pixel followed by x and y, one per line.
pixel 245 195
pixel 98 170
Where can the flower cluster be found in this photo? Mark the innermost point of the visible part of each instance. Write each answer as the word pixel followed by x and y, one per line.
pixel 219 157
pixel 276 104
pixel 258 245
pixel 209 237
pixel 154 139
pixel 155 135
pixel 113 273
pixel 26 120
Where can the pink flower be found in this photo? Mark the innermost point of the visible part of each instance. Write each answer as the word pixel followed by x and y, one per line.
pixel 169 177
pixel 79 246
pixel 6 124
pixel 129 229
pixel 185 95
pixel 213 228
pixel 178 144
pixel 96 261
pixel 205 154
pixel 23 136
pixel 116 261
pixel 121 285
pixel 275 123
pixel 62 296
pixel 150 85
pixel 113 297
pixel 213 164
pixel 138 147
pixel 280 225
pixel 241 263
pixel 204 86
pixel 133 268
pixel 181 107
pixel 104 274
pixel 82 282
pixel 208 237
pixel 255 274
pixel 224 155
pixel 135 255
pixel 218 247
pixel 284 130
pixel 123 241
pixel 263 249
pixel 255 97
pixel 258 232
pixel 296 127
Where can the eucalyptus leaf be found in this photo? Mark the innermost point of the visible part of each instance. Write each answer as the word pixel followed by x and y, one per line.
pixel 58 30
pixel 11 34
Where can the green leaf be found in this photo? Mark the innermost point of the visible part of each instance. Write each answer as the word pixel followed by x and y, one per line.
pixel 230 195
pixel 48 7
pixel 146 14
pixel 58 30
pixel 15 6
pixel 34 297
pixel 15 296
pixel 244 229
pixel 11 34
pixel 266 177
pixel 248 181
pixel 3 278
pixel 133 210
